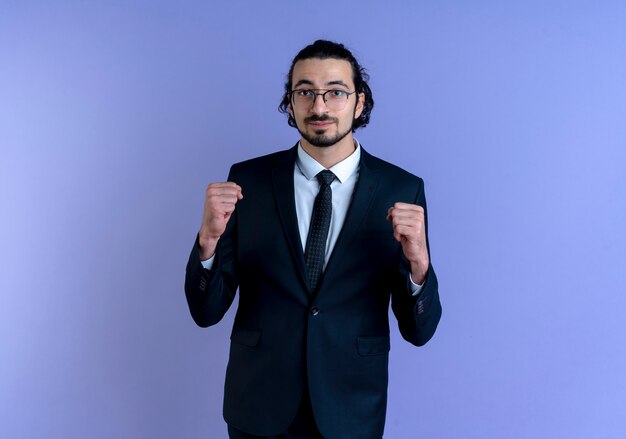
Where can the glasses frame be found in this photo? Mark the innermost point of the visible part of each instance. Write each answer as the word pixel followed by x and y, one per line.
pixel 323 95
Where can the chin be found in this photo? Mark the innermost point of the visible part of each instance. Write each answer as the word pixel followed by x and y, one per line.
pixel 322 143
pixel 323 138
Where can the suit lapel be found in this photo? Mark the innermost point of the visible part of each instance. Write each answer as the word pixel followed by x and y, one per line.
pixel 282 176
pixel 364 192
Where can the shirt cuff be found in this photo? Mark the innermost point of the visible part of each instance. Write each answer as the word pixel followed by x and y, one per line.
pixel 208 264
pixel 415 288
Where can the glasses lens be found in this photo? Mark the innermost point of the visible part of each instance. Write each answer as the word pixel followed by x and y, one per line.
pixel 336 99
pixel 302 98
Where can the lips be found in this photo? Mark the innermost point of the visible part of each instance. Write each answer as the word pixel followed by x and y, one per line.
pixel 320 124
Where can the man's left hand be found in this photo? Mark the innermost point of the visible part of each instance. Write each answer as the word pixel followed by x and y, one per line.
pixel 409 229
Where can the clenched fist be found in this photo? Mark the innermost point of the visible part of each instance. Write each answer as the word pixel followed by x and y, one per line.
pixel 219 205
pixel 410 230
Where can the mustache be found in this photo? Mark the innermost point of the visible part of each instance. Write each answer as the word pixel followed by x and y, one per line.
pixel 319 118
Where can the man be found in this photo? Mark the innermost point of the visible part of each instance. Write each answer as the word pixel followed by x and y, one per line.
pixel 317 238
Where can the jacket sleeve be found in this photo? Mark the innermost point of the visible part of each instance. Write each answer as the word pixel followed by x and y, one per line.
pixel 211 292
pixel 418 316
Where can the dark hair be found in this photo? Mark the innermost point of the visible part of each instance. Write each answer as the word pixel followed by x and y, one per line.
pixel 324 49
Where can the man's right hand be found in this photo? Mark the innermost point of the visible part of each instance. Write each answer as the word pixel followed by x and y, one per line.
pixel 219 205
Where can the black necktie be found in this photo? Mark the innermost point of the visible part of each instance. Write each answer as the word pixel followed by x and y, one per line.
pixel 315 251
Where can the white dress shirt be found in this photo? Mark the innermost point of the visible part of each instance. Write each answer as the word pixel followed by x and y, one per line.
pixel 306 188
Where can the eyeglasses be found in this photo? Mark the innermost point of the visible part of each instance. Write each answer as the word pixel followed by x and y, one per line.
pixel 335 99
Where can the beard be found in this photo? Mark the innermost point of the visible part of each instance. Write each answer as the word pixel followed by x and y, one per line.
pixel 319 138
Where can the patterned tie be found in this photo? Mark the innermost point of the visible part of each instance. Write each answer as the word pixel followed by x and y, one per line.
pixel 315 251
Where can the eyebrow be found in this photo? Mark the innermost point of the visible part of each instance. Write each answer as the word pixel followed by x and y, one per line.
pixel 302 82
pixel 307 82
pixel 339 82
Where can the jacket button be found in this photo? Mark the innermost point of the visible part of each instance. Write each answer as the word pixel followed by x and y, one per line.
pixel 314 311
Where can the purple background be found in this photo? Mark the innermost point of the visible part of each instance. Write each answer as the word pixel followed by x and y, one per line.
pixel 115 115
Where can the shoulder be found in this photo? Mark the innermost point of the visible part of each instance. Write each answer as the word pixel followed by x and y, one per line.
pixel 261 170
pixel 388 170
pixel 394 183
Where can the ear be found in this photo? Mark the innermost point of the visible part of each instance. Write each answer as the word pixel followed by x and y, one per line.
pixel 360 103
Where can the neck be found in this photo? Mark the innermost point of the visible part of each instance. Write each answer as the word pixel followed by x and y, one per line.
pixel 329 156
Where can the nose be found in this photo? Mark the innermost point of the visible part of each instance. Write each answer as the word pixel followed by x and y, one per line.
pixel 319 106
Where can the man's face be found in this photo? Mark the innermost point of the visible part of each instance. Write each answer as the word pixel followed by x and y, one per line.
pixel 319 125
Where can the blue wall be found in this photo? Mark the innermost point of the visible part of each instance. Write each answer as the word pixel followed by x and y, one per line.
pixel 115 115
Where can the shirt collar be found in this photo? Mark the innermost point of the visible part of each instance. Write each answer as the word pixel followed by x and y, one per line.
pixel 342 170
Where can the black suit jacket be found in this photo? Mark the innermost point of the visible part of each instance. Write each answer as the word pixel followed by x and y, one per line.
pixel 336 342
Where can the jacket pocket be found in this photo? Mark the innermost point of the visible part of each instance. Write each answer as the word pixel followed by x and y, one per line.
pixel 367 346
pixel 246 336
